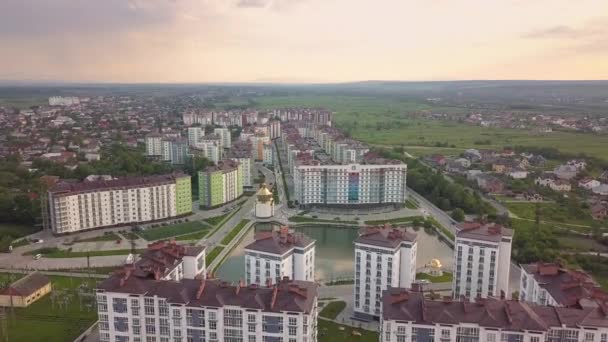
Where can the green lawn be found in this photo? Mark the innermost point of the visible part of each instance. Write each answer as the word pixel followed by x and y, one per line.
pixel 213 254
pixel 53 252
pixel 411 204
pixel 330 332
pixel 10 232
pixel 395 220
pixel 108 236
pixel 214 221
pixel 382 120
pixel 234 232
pixel 43 321
pixel 193 236
pixel 445 278
pixel 164 232
pixel 303 219
pixel 340 282
pixel 332 310
pixel 550 212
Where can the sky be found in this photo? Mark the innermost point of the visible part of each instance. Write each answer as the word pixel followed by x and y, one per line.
pixel 302 41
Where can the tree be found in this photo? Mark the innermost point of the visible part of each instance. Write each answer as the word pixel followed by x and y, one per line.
pixel 458 214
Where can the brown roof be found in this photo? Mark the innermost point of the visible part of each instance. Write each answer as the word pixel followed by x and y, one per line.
pixel 118 183
pixel 385 236
pixel 403 305
pixel 568 287
pixel 279 242
pixel 225 165
pixel 483 231
pixel 286 295
pixel 26 285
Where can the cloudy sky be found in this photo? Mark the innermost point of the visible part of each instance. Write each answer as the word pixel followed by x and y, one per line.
pixel 302 40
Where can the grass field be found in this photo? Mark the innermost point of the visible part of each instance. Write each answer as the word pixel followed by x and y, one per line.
pixel 330 332
pixel 213 254
pixel 382 121
pixel 234 232
pixel 303 219
pixel 550 212
pixel 53 252
pixel 105 237
pixel 41 321
pixel 332 310
pixel 10 232
pixel 214 221
pixel 164 232
pixel 406 219
pixel 446 277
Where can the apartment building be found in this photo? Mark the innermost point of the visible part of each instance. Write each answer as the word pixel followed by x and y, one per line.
pixel 154 145
pixel 552 284
pixel 482 260
pixel 152 300
pixel 278 254
pixel 220 184
pixel 195 134
pixel 174 150
pixel 384 257
pixel 226 138
pixel 407 316
pixel 102 203
pixel 241 152
pixel 350 184
pixel 268 151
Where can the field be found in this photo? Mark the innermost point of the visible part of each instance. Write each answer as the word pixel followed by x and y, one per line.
pixel 10 232
pixel 214 221
pixel 550 213
pixel 43 321
pixel 332 310
pixel 303 219
pixel 446 277
pixel 382 121
pixel 328 331
pixel 53 252
pixel 234 232
pixel 105 237
pixel 213 254
pixel 164 232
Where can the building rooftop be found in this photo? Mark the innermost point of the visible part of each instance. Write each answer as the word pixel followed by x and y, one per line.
pixel 403 305
pixel 568 287
pixel 286 295
pixel 65 186
pixel 225 165
pixel 279 241
pixel 27 285
pixel 483 231
pixel 385 236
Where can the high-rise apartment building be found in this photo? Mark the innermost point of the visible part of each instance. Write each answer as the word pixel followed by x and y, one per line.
pixel 195 134
pixel 407 316
pixel 224 133
pixel 175 150
pixel 105 203
pixel 220 184
pixel 384 257
pixel 164 296
pixel 482 260
pixel 278 254
pixel 154 145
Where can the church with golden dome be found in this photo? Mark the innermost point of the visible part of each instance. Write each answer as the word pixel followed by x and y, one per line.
pixel 264 203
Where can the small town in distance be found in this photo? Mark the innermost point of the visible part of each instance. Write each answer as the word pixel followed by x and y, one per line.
pixel 278 225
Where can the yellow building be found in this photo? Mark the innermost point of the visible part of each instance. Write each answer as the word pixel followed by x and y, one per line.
pixel 264 204
pixel 25 291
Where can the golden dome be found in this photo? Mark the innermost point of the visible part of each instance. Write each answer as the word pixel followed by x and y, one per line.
pixel 264 195
pixel 435 263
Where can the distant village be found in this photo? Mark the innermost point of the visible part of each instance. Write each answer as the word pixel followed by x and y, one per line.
pixel 498 173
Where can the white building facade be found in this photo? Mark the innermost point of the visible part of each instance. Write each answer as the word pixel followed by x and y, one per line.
pixel 350 184
pixel 279 254
pixel 224 133
pixel 89 205
pixel 482 261
pixel 384 257
pixel 407 317
pixel 154 145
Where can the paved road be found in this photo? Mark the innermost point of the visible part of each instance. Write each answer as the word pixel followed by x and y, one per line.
pixel 429 208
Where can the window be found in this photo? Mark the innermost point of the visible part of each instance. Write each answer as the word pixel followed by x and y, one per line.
pixel 589 337
pixel 465 334
pixel 511 337
pixel 119 305
pixel 233 318
pixel 293 331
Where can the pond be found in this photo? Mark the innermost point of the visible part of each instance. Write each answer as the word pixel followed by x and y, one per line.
pixel 334 252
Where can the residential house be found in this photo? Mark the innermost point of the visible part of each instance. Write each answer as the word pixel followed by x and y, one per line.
pixel 518 173
pixel 599 211
pixel 588 183
pixel 601 190
pixel 437 160
pixel 566 172
pixel 549 180
pixel 472 154
pixel 454 167
pixel 465 163
pixel 604 177
pixel 537 160
pixel 578 164
pixel 489 183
